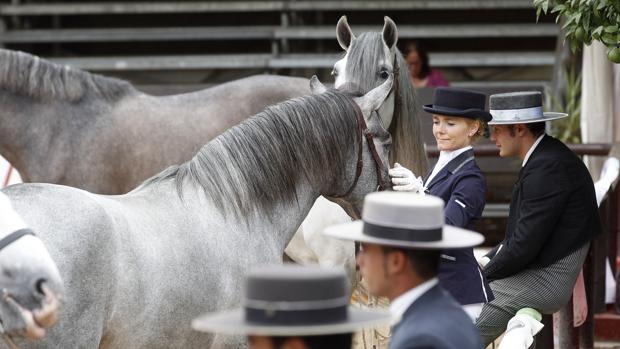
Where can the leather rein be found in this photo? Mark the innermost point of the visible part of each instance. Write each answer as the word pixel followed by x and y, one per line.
pixel 363 131
pixel 382 184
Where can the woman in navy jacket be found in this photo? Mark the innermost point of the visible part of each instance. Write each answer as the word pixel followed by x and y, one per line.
pixel 459 119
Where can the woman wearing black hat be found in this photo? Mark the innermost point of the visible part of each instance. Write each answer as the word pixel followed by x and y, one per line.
pixel 459 119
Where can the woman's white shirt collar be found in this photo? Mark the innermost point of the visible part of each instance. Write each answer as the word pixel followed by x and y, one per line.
pixel 444 158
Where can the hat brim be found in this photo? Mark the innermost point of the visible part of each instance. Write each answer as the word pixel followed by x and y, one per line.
pixel 467 113
pixel 452 237
pixel 233 322
pixel 547 116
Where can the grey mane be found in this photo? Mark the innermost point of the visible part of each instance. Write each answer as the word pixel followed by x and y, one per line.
pixel 29 75
pixel 258 163
pixel 363 74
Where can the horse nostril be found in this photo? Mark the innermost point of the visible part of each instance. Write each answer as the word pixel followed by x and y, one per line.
pixel 38 286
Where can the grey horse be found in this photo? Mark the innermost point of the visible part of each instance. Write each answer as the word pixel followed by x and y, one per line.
pixel 138 267
pixel 66 126
pixel 369 58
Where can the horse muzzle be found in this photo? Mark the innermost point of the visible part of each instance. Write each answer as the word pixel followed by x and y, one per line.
pixel 28 318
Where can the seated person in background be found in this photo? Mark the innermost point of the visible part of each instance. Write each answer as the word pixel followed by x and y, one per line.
pixel 294 307
pixel 553 216
pixel 422 75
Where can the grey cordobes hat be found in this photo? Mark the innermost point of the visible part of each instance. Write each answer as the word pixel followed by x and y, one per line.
pixel 519 108
pixel 405 220
pixel 289 300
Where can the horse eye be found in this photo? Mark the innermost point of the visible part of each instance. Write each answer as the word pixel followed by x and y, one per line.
pixel 384 74
pixel 334 72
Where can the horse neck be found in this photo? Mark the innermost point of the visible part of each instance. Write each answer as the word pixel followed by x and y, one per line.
pixel 35 136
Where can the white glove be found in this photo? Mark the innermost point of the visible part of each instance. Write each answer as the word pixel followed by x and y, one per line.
pixel 521 330
pixel 405 180
pixel 483 261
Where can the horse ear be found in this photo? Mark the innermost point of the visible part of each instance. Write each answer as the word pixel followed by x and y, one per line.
pixel 390 33
pixel 373 99
pixel 316 86
pixel 344 33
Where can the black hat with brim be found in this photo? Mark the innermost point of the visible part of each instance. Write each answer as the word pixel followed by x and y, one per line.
pixel 458 102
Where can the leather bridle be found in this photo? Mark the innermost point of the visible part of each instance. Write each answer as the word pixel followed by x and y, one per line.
pixel 14 236
pixel 363 131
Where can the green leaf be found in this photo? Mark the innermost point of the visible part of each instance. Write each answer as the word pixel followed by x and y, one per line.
pixel 611 29
pixel 559 8
pixel 545 6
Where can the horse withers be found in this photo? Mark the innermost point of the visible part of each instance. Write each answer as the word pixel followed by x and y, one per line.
pixel 30 285
pixel 139 267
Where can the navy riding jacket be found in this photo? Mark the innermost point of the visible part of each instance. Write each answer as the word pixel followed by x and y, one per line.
pixel 462 186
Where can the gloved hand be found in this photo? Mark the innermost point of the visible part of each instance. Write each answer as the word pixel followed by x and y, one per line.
pixel 483 261
pixel 405 180
pixel 521 329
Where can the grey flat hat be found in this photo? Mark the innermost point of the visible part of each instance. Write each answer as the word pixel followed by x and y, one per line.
pixel 519 108
pixel 405 220
pixel 290 300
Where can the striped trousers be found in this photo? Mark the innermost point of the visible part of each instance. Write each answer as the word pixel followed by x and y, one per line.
pixel 546 289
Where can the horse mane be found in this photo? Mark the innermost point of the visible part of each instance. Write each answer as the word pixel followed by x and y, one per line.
pixel 363 60
pixel 29 75
pixel 258 163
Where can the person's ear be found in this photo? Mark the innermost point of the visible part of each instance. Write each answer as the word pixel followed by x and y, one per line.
pixel 473 128
pixel 397 262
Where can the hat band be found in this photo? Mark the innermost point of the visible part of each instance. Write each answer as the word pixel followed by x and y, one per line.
pixel 296 313
pixel 403 234
pixel 517 114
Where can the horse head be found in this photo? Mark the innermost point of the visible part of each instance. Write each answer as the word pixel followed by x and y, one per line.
pixel 30 283
pixel 368 61
pixel 369 169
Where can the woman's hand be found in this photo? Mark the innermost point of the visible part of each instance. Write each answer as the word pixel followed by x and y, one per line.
pixel 405 180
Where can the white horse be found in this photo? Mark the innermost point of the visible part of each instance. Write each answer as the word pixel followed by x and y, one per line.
pixel 369 58
pixel 30 283
pixel 139 267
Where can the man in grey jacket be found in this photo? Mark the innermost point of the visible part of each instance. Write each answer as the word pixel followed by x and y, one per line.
pixel 402 235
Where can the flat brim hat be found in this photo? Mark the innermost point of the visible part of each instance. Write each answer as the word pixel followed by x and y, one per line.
pixel 519 108
pixel 293 300
pixel 458 102
pixel 405 220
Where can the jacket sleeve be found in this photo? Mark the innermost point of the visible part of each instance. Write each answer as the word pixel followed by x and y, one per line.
pixel 466 200
pixel 544 191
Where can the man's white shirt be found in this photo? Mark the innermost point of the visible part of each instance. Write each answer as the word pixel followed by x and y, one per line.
pixel 400 304
pixel 532 148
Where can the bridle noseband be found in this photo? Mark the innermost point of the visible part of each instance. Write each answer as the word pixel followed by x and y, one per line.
pixel 14 236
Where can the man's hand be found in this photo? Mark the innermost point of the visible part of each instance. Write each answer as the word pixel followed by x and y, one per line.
pixel 405 180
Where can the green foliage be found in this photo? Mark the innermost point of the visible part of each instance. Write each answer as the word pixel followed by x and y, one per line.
pixel 568 129
pixel 587 20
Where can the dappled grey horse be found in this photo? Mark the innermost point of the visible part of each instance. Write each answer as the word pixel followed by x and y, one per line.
pixel 66 126
pixel 370 58
pixel 138 267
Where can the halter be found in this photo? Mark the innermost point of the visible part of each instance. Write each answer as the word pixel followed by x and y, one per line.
pixel 9 239
pixel 363 131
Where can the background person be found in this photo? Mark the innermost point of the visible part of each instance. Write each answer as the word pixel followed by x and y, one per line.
pixel 420 72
